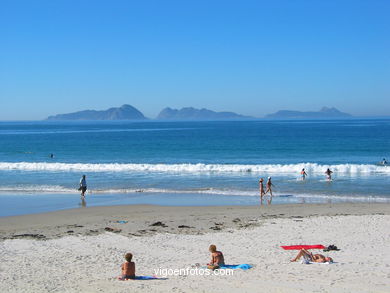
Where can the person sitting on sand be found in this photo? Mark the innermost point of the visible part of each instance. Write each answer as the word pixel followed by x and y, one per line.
pixel 217 259
pixel 312 257
pixel 128 268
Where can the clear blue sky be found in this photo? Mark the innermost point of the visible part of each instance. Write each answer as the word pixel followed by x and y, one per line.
pixel 251 57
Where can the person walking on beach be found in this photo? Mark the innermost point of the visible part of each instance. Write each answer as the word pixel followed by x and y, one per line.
pixel 261 187
pixel 83 185
pixel 269 189
pixel 328 174
pixel 303 174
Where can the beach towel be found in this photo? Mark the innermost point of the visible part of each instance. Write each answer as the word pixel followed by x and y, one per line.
pixel 306 262
pixel 145 278
pixel 298 247
pixel 235 267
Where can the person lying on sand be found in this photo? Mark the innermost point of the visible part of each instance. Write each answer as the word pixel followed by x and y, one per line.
pixel 217 259
pixel 128 268
pixel 311 257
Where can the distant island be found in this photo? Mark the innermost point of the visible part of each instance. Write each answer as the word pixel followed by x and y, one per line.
pixel 125 112
pixel 190 113
pixel 324 113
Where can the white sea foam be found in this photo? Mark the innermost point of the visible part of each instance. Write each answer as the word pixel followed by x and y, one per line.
pixel 196 168
pixel 62 189
pixel 39 189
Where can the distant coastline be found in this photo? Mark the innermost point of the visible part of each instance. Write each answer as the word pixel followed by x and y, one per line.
pixel 128 112
pixel 324 113
pixel 125 112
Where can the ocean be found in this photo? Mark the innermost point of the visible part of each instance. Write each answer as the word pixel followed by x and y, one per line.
pixel 190 163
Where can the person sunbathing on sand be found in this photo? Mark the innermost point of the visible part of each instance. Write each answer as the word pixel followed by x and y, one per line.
pixel 311 257
pixel 217 259
pixel 128 268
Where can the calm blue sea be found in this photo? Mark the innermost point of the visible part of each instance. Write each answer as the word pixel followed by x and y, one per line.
pixel 190 163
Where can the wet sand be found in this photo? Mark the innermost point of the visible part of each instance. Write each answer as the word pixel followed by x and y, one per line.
pixel 178 220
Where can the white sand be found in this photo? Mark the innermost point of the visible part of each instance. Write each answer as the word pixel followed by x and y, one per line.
pixel 90 263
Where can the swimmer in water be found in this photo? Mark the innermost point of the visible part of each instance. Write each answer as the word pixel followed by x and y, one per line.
pixel 303 174
pixel 328 174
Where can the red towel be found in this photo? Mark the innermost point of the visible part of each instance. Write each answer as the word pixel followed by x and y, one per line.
pixel 298 247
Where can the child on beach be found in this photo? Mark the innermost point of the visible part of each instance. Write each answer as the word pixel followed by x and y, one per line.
pixel 217 259
pixel 128 268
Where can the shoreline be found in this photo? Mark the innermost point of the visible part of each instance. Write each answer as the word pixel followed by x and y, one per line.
pixel 140 220
pixel 43 203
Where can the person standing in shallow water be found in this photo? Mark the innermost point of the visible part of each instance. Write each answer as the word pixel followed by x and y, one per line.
pixel 269 189
pixel 303 174
pixel 83 185
pixel 328 174
pixel 261 188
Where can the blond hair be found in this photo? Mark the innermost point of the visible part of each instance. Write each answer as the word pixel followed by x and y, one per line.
pixel 212 248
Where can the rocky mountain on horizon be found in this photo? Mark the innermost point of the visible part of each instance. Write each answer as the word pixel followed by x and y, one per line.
pixel 125 112
pixel 190 113
pixel 324 113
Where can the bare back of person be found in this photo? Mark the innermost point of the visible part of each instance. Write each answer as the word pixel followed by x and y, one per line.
pixel 217 258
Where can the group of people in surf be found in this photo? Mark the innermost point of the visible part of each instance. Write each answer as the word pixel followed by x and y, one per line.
pixel 269 184
pixel 328 173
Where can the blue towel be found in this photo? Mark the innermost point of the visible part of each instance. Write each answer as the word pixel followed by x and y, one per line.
pixel 122 222
pixel 234 267
pixel 145 278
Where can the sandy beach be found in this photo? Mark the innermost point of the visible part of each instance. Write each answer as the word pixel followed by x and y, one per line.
pixel 81 250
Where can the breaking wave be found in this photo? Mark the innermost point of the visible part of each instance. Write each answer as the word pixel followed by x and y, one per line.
pixel 195 168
